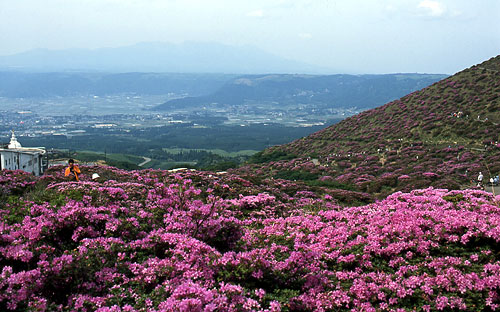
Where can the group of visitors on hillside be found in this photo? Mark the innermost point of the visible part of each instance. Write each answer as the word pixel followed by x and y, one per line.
pixel 493 180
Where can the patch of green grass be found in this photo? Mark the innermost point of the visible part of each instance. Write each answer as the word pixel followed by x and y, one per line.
pixel 296 175
pixel 158 164
pixel 263 157
pixel 94 156
pixel 216 151
pixel 332 185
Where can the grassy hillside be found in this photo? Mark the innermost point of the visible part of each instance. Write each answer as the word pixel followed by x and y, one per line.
pixel 462 109
pixel 442 135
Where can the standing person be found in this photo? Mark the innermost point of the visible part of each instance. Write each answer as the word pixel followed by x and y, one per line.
pixel 480 179
pixel 72 171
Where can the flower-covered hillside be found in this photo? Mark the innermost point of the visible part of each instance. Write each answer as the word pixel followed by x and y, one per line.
pixel 450 128
pixel 190 241
pixel 408 167
pixel 463 109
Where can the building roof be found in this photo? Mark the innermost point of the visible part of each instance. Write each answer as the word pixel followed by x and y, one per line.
pixel 13 141
pixel 15 146
pixel 23 150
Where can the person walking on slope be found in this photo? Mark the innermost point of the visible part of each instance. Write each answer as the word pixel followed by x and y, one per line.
pixel 72 171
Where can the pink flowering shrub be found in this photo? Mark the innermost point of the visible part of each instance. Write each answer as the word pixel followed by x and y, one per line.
pixel 194 241
pixel 15 182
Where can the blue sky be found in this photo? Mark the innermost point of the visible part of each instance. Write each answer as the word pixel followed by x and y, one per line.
pixel 354 36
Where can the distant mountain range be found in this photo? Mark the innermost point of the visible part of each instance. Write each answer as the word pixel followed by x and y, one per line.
pixel 364 91
pixel 16 84
pixel 361 91
pixel 440 136
pixel 188 57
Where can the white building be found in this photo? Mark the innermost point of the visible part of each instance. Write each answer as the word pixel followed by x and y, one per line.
pixel 13 157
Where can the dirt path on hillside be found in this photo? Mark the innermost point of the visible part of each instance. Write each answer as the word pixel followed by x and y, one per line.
pixel 495 189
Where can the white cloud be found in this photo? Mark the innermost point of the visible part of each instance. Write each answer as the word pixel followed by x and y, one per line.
pixel 305 35
pixel 431 8
pixel 390 8
pixel 256 13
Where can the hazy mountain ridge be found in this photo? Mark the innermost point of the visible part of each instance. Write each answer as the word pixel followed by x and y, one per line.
pixel 361 91
pixel 20 84
pixel 188 57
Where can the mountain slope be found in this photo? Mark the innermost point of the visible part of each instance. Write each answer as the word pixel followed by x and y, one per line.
pixel 426 115
pixel 442 135
pixel 361 91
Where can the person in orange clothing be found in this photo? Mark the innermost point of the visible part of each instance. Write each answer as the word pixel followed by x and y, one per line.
pixel 72 171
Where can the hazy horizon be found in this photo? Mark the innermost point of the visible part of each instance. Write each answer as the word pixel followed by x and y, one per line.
pixel 409 36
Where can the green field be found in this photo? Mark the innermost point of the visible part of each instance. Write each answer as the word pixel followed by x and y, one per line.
pixel 126 161
pixel 216 151
pixel 113 159
pixel 213 148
